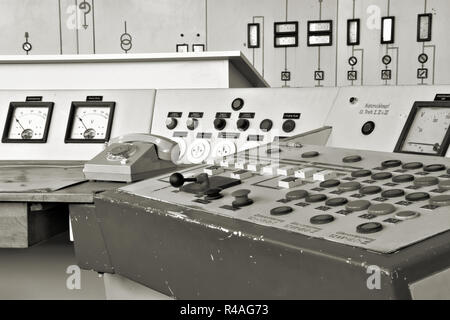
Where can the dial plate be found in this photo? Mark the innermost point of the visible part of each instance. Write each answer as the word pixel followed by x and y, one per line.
pixel 90 122
pixel 27 122
pixel 427 131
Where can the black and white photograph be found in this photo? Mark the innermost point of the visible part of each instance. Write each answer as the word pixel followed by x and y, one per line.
pixel 223 155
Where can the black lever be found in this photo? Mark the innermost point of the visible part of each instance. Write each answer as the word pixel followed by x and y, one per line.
pixel 177 180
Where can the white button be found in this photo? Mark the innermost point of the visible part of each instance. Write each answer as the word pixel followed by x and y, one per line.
pixel 305 173
pixel 241 174
pixel 254 166
pixel 289 183
pixel 241 164
pixel 324 175
pixel 286 171
pixel 227 163
pixel 213 170
pixel 271 169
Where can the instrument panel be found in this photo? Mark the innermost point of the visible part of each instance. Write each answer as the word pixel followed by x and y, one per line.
pixel 90 122
pixel 427 130
pixel 27 122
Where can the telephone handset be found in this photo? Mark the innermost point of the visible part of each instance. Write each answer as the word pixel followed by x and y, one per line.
pixel 165 148
pixel 133 157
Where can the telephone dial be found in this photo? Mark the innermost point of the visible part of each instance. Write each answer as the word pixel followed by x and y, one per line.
pixel 133 157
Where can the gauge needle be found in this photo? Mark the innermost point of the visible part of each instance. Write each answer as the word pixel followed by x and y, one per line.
pixel 81 120
pixel 423 144
pixel 20 124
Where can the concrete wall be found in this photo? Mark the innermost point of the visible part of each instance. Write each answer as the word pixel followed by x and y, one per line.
pixel 57 26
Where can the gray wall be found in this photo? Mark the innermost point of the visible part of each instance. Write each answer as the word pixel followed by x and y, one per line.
pixel 157 25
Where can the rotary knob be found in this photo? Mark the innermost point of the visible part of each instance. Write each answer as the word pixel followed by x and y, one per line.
pixel 243 124
pixel 289 126
pixel 171 123
pixel 191 123
pixel 266 125
pixel 220 124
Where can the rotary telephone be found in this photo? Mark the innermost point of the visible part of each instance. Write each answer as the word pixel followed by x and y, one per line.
pixel 133 157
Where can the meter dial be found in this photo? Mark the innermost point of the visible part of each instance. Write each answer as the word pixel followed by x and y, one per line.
pixel 428 131
pixel 90 122
pixel 28 122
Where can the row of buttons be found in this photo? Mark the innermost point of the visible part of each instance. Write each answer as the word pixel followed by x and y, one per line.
pixel 242 124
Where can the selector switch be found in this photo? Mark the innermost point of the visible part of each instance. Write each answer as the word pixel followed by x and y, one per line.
pixel 241 198
pixel 288 126
pixel 243 124
pixel 220 124
pixel 191 123
pixel 171 123
pixel 266 125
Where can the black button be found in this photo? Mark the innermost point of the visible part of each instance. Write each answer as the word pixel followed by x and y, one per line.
pixel 370 190
pixel 220 124
pixel 352 159
pixel 316 198
pixel 361 173
pixel 322 219
pixel 426 181
pixel 330 183
pixel 393 193
pixel 296 195
pixel 370 227
pixel 311 154
pixel 417 196
pixel 243 124
pixel 368 128
pixel 391 163
pixel 403 178
pixel 266 125
pixel 381 176
pixel 237 104
pixel 289 126
pixel 412 165
pixel 434 168
pixel 336 202
pixel 280 211
pixel 213 194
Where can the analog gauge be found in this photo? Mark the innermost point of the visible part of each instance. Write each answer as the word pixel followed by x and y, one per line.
pixel 90 122
pixel 427 131
pixel 27 122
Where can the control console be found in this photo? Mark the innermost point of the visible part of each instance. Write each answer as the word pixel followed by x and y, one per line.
pixel 218 122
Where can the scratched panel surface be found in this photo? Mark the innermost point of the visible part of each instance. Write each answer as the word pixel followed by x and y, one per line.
pixel 38 177
pixel 267 194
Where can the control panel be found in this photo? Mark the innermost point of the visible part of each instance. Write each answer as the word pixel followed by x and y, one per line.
pixel 69 124
pixel 218 122
pixel 378 201
pixel 373 118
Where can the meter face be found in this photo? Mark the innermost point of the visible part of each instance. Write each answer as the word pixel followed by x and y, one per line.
pixel 90 122
pixel 427 131
pixel 27 122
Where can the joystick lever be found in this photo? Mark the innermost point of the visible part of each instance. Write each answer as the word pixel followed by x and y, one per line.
pixel 200 182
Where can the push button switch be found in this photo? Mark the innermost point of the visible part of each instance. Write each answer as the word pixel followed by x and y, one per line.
pixel 241 198
pixel 243 124
pixel 358 205
pixel 266 125
pixel 393 193
pixel 434 168
pixel 370 227
pixel 403 178
pixel 406 215
pixel 296 195
pixel 426 181
pixel 322 219
pixel 441 201
pixel 370 190
pixel 349 186
pixel 412 165
pixel 220 124
pixel 330 183
pixel 417 196
pixel 391 163
pixel 361 173
pixel 336 202
pixel 281 211
pixel 381 209
pixel 288 126
pixel 316 198
pixel 381 176
pixel 352 159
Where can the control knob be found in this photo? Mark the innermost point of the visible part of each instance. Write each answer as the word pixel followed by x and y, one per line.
pixel 191 123
pixel 220 124
pixel 171 123
pixel 243 124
